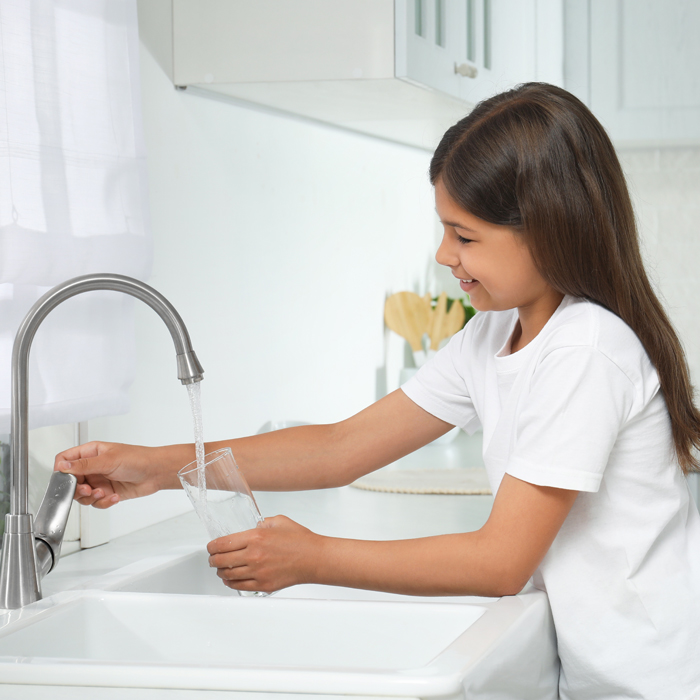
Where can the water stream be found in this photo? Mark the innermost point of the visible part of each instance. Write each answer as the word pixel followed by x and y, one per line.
pixel 195 393
pixel 209 511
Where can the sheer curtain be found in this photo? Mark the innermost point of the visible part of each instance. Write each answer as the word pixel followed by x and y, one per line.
pixel 73 198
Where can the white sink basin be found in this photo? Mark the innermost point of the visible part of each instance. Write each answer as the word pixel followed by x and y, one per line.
pixel 150 640
pixel 128 636
pixel 188 572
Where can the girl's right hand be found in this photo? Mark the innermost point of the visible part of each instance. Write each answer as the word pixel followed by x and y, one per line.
pixel 111 472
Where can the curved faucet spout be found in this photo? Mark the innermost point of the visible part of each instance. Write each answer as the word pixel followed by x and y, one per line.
pixel 188 368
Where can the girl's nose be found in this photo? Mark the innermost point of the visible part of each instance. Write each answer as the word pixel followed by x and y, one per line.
pixel 445 253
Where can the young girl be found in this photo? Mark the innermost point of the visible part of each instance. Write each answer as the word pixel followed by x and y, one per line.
pixel 579 383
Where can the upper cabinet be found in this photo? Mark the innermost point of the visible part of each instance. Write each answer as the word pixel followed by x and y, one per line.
pixel 471 49
pixel 404 70
pixel 635 63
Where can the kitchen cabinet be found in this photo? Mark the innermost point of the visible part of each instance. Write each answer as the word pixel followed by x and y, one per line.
pixel 403 70
pixel 634 63
pixel 494 44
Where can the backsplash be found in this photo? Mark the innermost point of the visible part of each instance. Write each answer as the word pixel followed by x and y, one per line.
pixel 665 188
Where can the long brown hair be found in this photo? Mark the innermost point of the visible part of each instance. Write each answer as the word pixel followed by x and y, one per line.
pixel 536 159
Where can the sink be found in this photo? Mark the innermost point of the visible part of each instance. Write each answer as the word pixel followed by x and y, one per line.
pixel 150 640
pixel 168 622
pixel 183 571
pixel 187 571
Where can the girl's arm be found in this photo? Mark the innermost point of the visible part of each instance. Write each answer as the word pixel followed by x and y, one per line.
pixel 496 560
pixel 307 457
pixel 327 456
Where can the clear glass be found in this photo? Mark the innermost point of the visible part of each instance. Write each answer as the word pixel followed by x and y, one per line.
pixel 227 504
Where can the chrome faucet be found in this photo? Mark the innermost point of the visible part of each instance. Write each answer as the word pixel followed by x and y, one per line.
pixel 27 557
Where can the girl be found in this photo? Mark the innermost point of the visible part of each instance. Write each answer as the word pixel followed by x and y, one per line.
pixel 579 383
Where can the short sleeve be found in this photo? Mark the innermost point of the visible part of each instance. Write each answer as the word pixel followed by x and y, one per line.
pixel 440 388
pixel 569 419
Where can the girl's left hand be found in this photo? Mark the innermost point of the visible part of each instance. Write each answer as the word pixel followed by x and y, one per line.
pixel 277 554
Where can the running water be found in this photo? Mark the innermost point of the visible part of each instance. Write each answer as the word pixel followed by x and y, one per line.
pixel 195 393
pixel 209 509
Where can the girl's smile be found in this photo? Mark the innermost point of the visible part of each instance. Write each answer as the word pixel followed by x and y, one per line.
pixel 468 285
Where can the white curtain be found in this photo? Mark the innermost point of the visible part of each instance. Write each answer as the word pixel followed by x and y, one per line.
pixel 73 198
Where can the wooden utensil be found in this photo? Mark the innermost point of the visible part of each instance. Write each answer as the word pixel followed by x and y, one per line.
pixel 456 318
pixel 408 315
pixel 445 324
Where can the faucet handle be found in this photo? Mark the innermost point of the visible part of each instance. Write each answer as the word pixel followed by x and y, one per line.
pixel 51 519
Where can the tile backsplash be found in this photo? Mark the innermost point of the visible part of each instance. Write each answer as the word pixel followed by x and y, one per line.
pixel 665 188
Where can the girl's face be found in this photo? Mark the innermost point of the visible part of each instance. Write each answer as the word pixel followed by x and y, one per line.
pixel 492 263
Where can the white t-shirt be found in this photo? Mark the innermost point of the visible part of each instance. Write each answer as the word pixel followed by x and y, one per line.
pixel 580 408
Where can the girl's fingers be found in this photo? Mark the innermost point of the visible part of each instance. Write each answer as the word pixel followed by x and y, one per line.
pixel 218 561
pixel 86 495
pixel 239 573
pixel 86 500
pixel 98 497
pixel 227 544
pixel 83 466
pixel 243 584
pixel 89 449
pixel 106 501
pixel 228 560
pixel 247 585
pixel 82 491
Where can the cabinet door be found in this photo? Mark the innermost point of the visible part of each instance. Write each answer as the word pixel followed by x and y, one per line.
pixel 430 40
pixel 644 79
pixel 525 42
pixel 503 42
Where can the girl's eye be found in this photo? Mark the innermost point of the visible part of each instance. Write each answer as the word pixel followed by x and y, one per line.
pixel 461 239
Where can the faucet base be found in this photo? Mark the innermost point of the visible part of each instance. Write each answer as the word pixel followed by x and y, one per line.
pixel 19 579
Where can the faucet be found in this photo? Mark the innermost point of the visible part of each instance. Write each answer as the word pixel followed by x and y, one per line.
pixel 27 557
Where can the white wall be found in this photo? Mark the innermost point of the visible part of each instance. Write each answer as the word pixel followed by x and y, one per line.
pixel 277 240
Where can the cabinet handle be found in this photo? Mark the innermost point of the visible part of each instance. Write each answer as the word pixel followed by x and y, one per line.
pixel 466 69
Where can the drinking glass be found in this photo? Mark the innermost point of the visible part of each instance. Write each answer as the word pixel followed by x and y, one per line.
pixel 225 505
